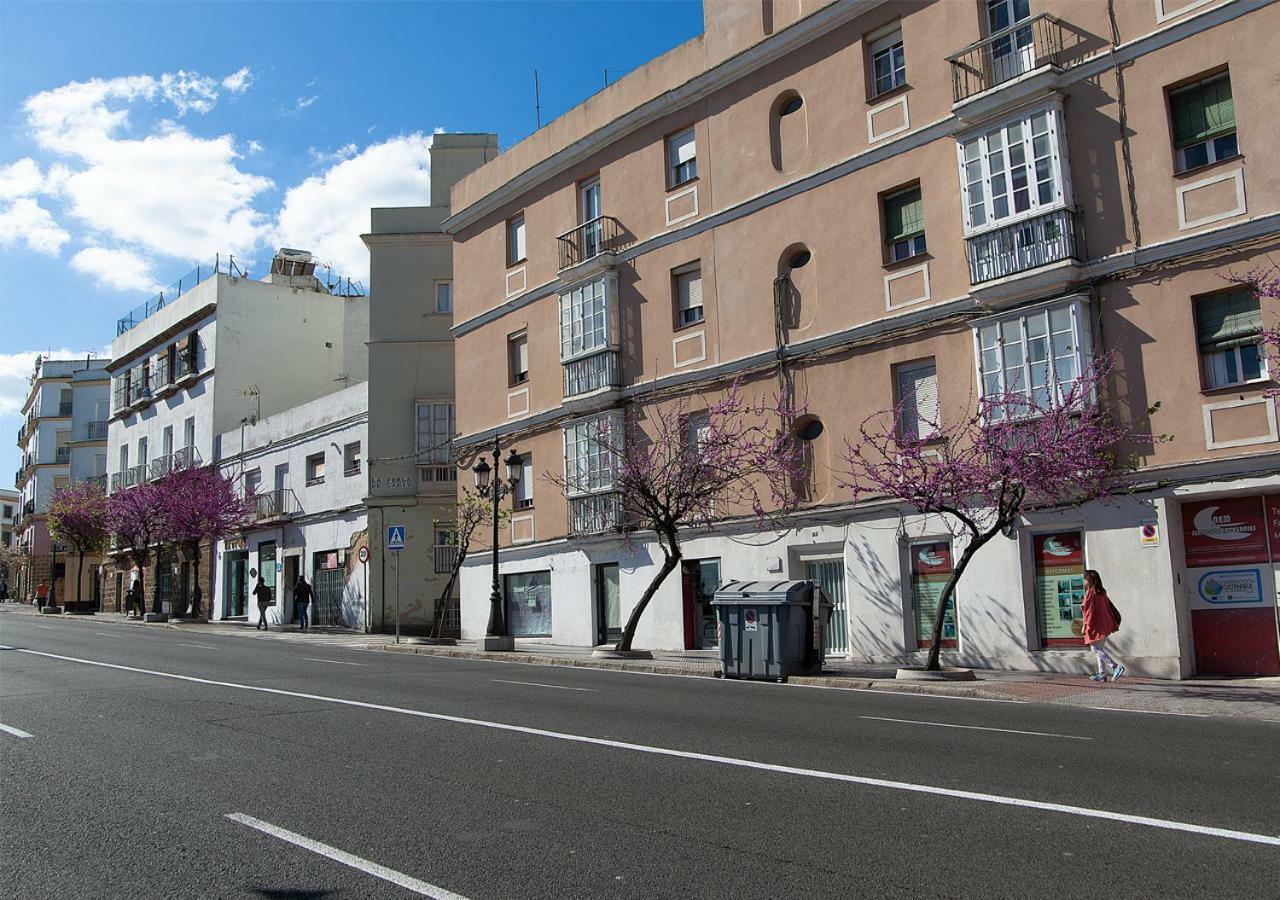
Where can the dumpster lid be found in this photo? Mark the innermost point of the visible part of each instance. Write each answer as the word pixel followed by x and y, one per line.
pixel 763 592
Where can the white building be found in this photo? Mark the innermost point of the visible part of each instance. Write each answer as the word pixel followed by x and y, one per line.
pixel 314 527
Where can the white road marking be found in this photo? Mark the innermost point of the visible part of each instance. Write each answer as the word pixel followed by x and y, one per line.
pixel 201 646
pixel 1070 737
pixel 336 662
pixel 347 859
pixel 909 787
pixel 49 627
pixel 558 687
pixel 16 732
pixel 107 634
pixel 1150 712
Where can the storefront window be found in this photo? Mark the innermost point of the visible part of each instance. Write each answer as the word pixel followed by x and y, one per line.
pixel 1059 563
pixel 930 569
pixel 529 604
pixel 267 565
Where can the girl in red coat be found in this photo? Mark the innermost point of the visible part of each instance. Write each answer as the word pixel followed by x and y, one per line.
pixel 1099 622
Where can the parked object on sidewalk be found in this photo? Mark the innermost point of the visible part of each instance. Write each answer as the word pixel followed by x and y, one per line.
pixel 301 601
pixel 1100 620
pixel 768 629
pixel 262 594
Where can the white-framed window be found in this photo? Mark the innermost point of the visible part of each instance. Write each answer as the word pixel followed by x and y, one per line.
pixel 1229 334
pixel 587 318
pixel 518 358
pixel 351 458
pixel 697 427
pixel 688 294
pixel 444 296
pixel 515 240
pixel 1014 170
pixel 917 385
pixel 435 432
pixel 590 450
pixel 315 468
pixel 252 482
pixel 189 432
pixel 904 224
pixel 1204 122
pixel 682 158
pixel 524 487
pixel 888 63
pixel 1038 353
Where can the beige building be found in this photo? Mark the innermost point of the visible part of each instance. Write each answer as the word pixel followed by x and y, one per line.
pixel 920 200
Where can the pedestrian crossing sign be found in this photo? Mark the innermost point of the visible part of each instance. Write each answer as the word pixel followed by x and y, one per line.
pixel 395 537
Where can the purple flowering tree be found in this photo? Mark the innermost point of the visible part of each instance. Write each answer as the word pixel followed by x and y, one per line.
pixel 78 515
pixel 471 511
pixel 198 505
pixel 676 469
pixel 136 517
pixel 1012 453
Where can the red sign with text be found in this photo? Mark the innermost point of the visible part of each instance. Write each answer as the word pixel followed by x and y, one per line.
pixel 1064 549
pixel 1226 531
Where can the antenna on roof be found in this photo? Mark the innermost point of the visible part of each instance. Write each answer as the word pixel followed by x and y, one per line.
pixel 537 100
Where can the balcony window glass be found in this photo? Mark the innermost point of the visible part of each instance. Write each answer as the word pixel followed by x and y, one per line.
pixel 904 224
pixel 515 240
pixel 435 431
pixel 1038 354
pixel 584 319
pixel 444 296
pixel 1012 171
pixel 1229 332
pixel 315 469
pixel 1204 122
pixel 888 63
pixel 688 290
pixel 518 359
pixel 524 487
pixel 252 482
pixel 682 160
pixel 917 385
pixel 351 459
pixel 589 454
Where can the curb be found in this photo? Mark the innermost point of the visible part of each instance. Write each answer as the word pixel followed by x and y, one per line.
pixel 541 660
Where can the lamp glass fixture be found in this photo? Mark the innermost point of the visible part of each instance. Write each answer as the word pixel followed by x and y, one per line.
pixel 482 472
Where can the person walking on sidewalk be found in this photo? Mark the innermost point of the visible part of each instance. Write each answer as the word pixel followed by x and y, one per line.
pixel 1100 622
pixel 134 600
pixel 301 600
pixel 262 594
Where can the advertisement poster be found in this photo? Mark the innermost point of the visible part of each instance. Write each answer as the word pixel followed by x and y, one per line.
pixel 930 569
pixel 1224 532
pixel 1229 587
pixel 529 604
pixel 1059 564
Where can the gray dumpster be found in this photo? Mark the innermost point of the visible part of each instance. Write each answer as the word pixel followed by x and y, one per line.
pixel 768 630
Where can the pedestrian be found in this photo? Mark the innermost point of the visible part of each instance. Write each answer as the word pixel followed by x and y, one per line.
pixel 301 600
pixel 135 599
pixel 263 595
pixel 1100 621
pixel 4 590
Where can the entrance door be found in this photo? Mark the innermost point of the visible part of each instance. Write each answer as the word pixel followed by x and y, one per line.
pixel 701 580
pixel 590 209
pixel 237 584
pixel 1014 53
pixel 608 604
pixel 326 589
pixel 286 587
pixel 829 575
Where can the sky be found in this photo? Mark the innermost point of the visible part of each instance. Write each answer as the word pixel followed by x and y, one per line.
pixel 140 139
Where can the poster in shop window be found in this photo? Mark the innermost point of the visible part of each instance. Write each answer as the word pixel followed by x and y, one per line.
pixel 1224 532
pixel 930 569
pixel 1059 564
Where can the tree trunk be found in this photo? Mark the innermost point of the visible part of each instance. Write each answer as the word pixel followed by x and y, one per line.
pixel 195 580
pixel 945 600
pixel 670 559
pixel 79 574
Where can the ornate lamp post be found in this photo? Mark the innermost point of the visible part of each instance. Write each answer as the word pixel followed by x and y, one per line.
pixel 496 637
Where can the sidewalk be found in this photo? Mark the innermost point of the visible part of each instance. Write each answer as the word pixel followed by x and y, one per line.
pixel 1253 698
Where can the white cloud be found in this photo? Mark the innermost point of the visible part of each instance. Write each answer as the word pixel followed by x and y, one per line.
pixel 26 221
pixel 254 146
pixel 123 270
pixel 346 151
pixel 238 81
pixel 20 179
pixel 303 102
pixel 16 368
pixel 327 213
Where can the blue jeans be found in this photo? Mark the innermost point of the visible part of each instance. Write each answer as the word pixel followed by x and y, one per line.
pixel 302 614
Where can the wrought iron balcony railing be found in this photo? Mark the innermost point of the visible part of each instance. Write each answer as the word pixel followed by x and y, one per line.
pixel 134 476
pixel 61 455
pixel 1022 47
pixel 588 240
pixel 278 504
pixel 96 431
pixel 595 514
pixel 99 480
pixel 592 373
pixel 444 555
pixel 1025 245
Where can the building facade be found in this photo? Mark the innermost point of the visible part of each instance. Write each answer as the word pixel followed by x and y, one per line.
pixel 314 528
pixel 218 351
pixel 897 203
pixel 412 474
pixel 62 441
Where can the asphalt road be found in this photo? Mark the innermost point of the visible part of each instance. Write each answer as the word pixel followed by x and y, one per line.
pixel 436 775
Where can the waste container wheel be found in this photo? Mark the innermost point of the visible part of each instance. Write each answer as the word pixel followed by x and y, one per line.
pixel 718 674
pixel 781 680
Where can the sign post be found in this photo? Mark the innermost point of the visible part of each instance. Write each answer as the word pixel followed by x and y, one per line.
pixel 363 555
pixel 395 543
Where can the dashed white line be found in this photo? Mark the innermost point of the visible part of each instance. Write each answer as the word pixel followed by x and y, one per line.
pixel 107 634
pixel 16 732
pixel 1070 737
pixel 201 646
pixel 336 662
pixel 47 627
pixel 558 687
pixel 1150 712
pixel 863 780
pixel 400 879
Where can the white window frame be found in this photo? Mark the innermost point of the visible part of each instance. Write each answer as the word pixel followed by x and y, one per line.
pixel 524 487
pixel 1233 353
pixel 925 428
pixel 439 451
pixel 447 294
pixel 589 463
pixel 885 45
pixel 513 342
pixel 315 468
pixel 685 315
pixel 1079 351
pixel 1212 152
pixel 682 166
pixel 589 317
pixel 986 182
pixel 516 236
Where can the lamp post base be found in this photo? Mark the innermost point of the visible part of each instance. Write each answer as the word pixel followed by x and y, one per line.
pixel 51 610
pixel 155 617
pixel 499 643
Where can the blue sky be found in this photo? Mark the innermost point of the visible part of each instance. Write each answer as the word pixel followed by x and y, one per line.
pixel 137 139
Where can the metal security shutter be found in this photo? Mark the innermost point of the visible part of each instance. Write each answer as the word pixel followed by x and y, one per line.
pixel 918 400
pixel 327 596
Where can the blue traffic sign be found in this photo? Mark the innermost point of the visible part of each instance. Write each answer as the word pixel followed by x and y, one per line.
pixel 395 537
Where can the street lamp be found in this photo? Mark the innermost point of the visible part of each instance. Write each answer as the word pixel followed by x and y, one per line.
pixel 496 637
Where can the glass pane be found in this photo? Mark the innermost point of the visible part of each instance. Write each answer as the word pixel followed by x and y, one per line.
pixel 991 384
pixel 1037 349
pixel 1062 345
pixel 1011 331
pixel 1225 146
pixel 1060 318
pixel 1195 155
pixel 989 335
pixel 1250 362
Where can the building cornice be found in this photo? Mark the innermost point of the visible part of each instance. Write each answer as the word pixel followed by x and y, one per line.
pixel 408 237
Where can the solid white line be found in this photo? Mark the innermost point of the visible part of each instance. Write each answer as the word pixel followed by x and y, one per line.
pixel 558 687
pixel 996 799
pixel 201 646
pixel 1070 737
pixel 336 662
pixel 16 732
pixel 1150 712
pixel 397 878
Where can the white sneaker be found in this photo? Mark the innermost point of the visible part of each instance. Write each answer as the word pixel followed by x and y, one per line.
pixel 1097 676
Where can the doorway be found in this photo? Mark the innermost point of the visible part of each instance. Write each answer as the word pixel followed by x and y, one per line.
pixel 608 604
pixel 237 584
pixel 1015 52
pixel 326 589
pixel 829 575
pixel 291 569
pixel 700 579
pixel 590 209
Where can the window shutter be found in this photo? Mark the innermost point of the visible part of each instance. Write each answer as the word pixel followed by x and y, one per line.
pixel 522 354
pixel 689 289
pixel 1203 111
pixel 918 399
pixel 903 215
pixel 682 148
pixel 1228 320
pixel 525 485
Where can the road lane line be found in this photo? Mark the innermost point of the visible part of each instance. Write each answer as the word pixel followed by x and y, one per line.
pixel 1149 712
pixel 1070 737
pixel 107 634
pixel 905 786
pixel 201 646
pixel 347 859
pixel 336 662
pixel 558 687
pixel 16 732
pixel 49 627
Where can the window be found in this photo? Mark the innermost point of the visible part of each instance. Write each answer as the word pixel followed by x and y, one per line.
pixel 586 323
pixel 124 458
pixel 930 564
pixel 528 599
pixel 435 430
pixel 315 469
pixel 888 63
pixel 1012 171
pixel 1059 587
pixel 904 224
pixel 917 385
pixel 142 451
pixel 351 459
pixel 524 487
pixel 697 429
pixel 189 432
pixel 589 453
pixel 518 358
pixel 1038 354
pixel 682 160
pixel 1229 332
pixel 64 402
pixel 1204 122
pixel 515 240
pixel 688 291
pixel 444 296
pixel 252 482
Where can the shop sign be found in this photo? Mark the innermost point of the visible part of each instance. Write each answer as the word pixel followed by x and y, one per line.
pixel 1230 587
pixel 930 570
pixel 1225 531
pixel 1059 563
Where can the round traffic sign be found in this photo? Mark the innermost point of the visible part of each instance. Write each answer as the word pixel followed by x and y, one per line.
pixel 363 554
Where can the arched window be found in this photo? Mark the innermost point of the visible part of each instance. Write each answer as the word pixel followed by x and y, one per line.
pixel 795 295
pixel 809 481
pixel 788 131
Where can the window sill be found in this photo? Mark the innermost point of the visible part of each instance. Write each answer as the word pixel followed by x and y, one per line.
pixel 907 261
pixel 349 472
pixel 682 184
pixel 311 482
pixel 892 92
pixel 516 384
pixel 519 262
pixel 688 325
pixel 521 509
pixel 1241 388
pixel 1207 167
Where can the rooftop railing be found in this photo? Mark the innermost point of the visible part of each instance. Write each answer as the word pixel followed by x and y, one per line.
pixel 225 265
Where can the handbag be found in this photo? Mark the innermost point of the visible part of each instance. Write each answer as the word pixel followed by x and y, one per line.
pixel 1115 613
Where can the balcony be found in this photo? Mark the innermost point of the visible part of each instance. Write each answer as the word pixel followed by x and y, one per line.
pixel 595 514
pixel 29 508
pixel 64 409
pixel 162 379
pixel 592 240
pixel 279 504
pixel 186 458
pixel 1031 53
pixel 187 369
pixel 1030 244
pixel 22 433
pixel 99 480
pixel 590 377
pixel 444 556
pixel 117 481
pixel 61 455
pixel 134 476
pixel 96 431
